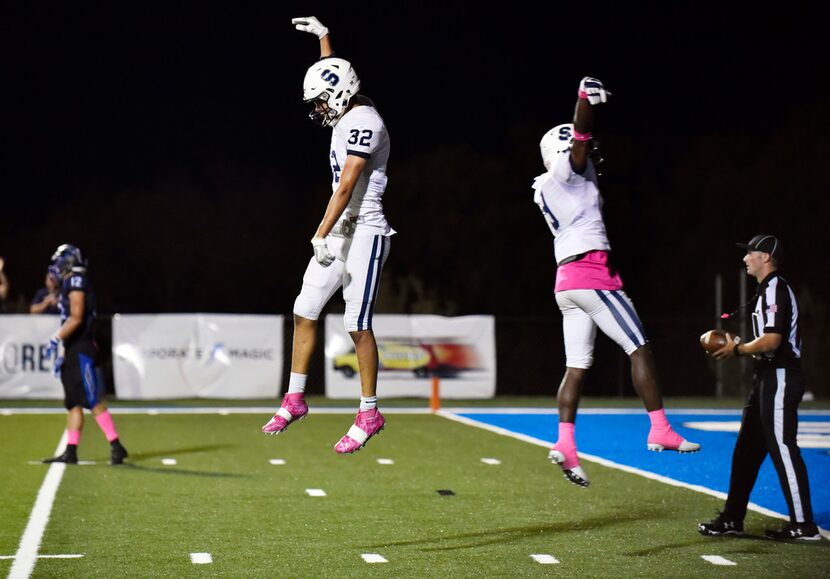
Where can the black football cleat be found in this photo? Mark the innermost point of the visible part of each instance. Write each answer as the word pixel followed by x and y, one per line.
pixel 69 456
pixel 117 452
pixel 721 525
pixel 795 532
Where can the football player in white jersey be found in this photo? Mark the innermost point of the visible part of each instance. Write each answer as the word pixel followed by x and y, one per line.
pixel 588 289
pixel 351 243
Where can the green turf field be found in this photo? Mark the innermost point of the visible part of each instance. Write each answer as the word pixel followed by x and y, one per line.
pixel 256 519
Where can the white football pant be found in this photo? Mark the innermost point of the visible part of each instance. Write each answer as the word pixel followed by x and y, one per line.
pixel 584 310
pixel 357 269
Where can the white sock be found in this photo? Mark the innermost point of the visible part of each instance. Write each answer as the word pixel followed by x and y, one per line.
pixel 296 383
pixel 368 403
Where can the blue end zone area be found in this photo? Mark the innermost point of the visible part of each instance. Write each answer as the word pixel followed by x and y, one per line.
pixel 621 438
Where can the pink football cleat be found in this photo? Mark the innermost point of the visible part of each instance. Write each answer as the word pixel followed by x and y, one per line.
pixel 668 439
pixel 569 461
pixel 367 424
pixel 293 408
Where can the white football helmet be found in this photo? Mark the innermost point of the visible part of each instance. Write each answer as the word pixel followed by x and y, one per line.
pixel 557 140
pixel 329 84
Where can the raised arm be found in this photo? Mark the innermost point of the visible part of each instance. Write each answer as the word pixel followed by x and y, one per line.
pixel 591 92
pixel 311 25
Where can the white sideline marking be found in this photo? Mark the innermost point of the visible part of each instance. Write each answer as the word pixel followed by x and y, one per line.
pixel 169 461
pixel 373 558
pixel 610 464
pixel 224 412
pixel 26 556
pixel 201 558
pixel 6 412
pixel 277 461
pixel 80 462
pixel 717 560
pixel 385 461
pixel 152 412
pixel 46 556
pixel 545 559
pixel 315 492
pixel 490 461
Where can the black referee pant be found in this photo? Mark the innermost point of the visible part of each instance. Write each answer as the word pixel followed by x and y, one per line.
pixel 769 425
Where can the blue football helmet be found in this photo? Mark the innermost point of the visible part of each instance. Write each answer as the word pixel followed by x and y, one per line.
pixel 68 258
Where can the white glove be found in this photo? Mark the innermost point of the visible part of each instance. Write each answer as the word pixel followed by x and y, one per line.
pixel 311 25
pixel 321 251
pixel 592 89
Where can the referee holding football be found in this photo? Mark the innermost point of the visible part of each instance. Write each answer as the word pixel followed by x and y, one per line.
pixel 770 418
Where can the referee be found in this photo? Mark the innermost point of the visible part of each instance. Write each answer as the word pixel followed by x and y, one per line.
pixel 770 418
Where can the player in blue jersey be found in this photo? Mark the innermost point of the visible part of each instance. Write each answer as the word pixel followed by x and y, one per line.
pixel 76 366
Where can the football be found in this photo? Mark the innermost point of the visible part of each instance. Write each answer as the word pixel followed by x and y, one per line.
pixel 714 340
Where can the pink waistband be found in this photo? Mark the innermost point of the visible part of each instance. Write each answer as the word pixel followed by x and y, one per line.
pixel 590 272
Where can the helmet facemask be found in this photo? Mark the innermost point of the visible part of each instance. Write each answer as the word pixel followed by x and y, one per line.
pixel 321 113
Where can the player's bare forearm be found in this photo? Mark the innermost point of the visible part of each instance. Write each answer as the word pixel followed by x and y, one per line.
pixel 340 198
pixel 583 122
pixel 325 46
pixel 337 204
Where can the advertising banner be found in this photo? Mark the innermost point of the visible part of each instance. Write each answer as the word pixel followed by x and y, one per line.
pixel 460 351
pixel 25 372
pixel 166 356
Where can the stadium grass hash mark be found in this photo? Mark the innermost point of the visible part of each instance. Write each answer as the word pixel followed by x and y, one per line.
pixel 490 461
pixel 717 560
pixel 277 461
pixel 201 558
pixel 385 461
pixel 315 492
pixel 169 461
pixel 543 559
pixel 373 558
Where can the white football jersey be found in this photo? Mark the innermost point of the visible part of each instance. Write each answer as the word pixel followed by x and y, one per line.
pixel 572 207
pixel 362 132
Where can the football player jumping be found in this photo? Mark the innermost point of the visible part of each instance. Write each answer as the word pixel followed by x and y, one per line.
pixel 588 289
pixel 351 243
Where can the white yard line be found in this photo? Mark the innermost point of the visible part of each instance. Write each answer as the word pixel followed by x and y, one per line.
pixel 277 461
pixel 315 492
pixel 490 461
pixel 373 558
pixel 611 464
pixel 26 556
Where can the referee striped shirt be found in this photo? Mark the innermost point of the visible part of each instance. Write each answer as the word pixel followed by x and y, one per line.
pixel 776 312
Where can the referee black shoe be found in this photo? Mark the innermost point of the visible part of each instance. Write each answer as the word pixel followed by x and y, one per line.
pixel 721 525
pixel 117 452
pixel 69 456
pixel 795 532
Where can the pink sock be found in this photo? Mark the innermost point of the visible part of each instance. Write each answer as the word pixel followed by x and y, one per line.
pixel 659 420
pixel 567 445
pixel 104 420
pixel 566 442
pixel 661 431
pixel 73 437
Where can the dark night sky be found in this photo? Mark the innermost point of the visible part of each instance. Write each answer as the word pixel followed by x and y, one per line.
pixel 100 99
